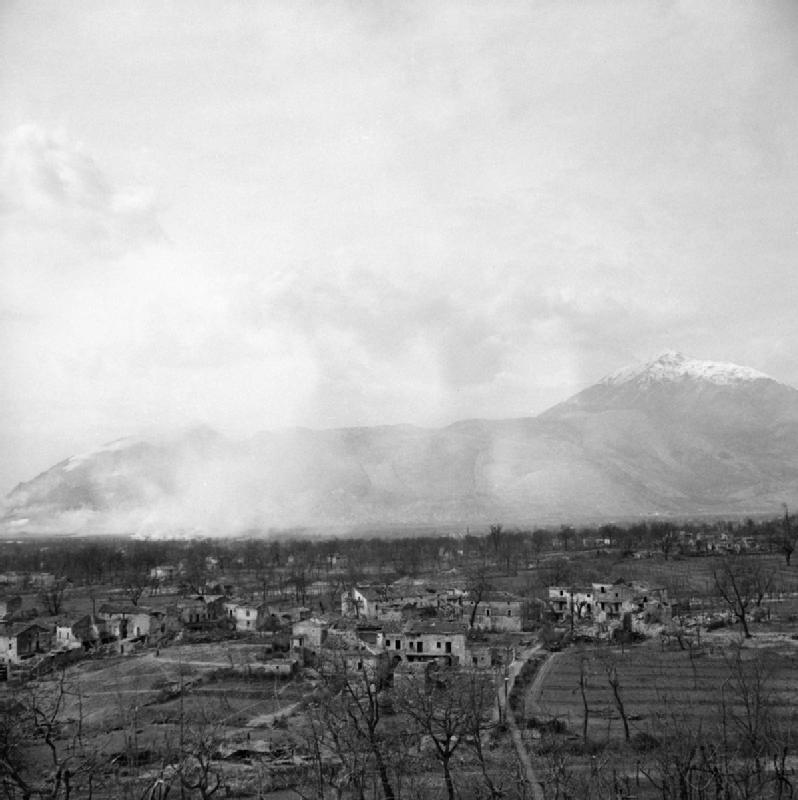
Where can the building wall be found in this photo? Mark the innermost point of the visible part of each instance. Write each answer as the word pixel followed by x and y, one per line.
pixel 246 618
pixel 14 648
pixel 367 607
pixel 604 600
pixel 65 638
pixel 127 626
pixel 500 615
pixel 164 572
pixel 478 656
pixel 334 661
pixel 424 645
pixel 309 634
pixel 8 648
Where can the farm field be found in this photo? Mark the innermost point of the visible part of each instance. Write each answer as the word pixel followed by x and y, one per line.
pixel 657 685
pixel 724 699
pixel 101 691
pixel 133 707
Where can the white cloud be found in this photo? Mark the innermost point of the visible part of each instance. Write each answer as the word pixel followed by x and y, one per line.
pixel 49 183
pixel 384 213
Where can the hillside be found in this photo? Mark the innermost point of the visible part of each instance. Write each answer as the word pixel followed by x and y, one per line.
pixel 674 436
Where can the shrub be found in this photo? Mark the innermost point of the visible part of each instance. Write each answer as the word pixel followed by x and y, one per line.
pixel 644 742
pixel 552 726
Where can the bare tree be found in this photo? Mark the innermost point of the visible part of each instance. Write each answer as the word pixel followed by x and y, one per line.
pixel 298 579
pixel 566 535
pixel 495 536
pixel 198 768
pixel 743 752
pixel 583 692
pixel 481 690
pixel 52 597
pixel 788 537
pixel 538 542
pixel 347 736
pixel 739 583
pixel 508 554
pixel 448 709
pixel 615 684
pixel 135 583
pixel 680 766
pixel 478 585
pixel 360 702
pixel 193 761
pixel 748 705
pixel 558 572
pixel 42 751
pixel 666 536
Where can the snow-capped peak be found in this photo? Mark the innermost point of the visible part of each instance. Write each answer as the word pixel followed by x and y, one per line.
pixel 672 366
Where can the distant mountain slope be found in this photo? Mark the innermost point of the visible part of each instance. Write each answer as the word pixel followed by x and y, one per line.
pixel 674 386
pixel 674 435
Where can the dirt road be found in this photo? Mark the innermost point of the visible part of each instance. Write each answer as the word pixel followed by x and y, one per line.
pixel 264 720
pixel 533 693
pixel 523 756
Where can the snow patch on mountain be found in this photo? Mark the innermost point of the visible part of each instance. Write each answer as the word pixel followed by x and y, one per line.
pixel 672 366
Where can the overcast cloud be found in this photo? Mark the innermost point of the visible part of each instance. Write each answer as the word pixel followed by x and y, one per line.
pixel 344 213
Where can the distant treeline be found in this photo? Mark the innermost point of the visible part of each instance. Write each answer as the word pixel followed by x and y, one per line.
pixel 112 559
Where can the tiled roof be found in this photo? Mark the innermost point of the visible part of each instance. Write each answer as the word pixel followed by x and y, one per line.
pixel 433 626
pixel 16 628
pixel 110 608
pixel 501 597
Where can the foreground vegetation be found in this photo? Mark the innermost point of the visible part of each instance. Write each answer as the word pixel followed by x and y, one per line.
pixel 715 722
pixel 690 710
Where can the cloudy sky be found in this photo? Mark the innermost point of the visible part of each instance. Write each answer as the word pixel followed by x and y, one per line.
pixel 349 213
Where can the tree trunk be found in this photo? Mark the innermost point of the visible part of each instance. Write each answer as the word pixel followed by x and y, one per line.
pixel 586 714
pixel 447 776
pixel 473 614
pixel 616 690
pixel 387 789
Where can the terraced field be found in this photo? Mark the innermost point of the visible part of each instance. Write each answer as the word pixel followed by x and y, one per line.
pixel 660 689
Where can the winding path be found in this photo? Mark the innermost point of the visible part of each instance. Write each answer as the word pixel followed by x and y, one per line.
pixel 265 720
pixel 534 691
pixel 523 754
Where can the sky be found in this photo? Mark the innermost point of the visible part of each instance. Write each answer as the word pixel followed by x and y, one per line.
pixel 252 216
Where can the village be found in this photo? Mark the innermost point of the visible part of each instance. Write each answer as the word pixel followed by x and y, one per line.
pixel 409 621
pixel 257 649
pixel 155 608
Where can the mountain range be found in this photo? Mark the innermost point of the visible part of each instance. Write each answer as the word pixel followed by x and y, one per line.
pixel 674 436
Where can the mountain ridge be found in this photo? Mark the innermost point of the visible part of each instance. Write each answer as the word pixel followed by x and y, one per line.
pixel 672 365
pixel 675 436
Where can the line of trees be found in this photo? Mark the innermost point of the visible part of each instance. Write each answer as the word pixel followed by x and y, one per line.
pixel 122 560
